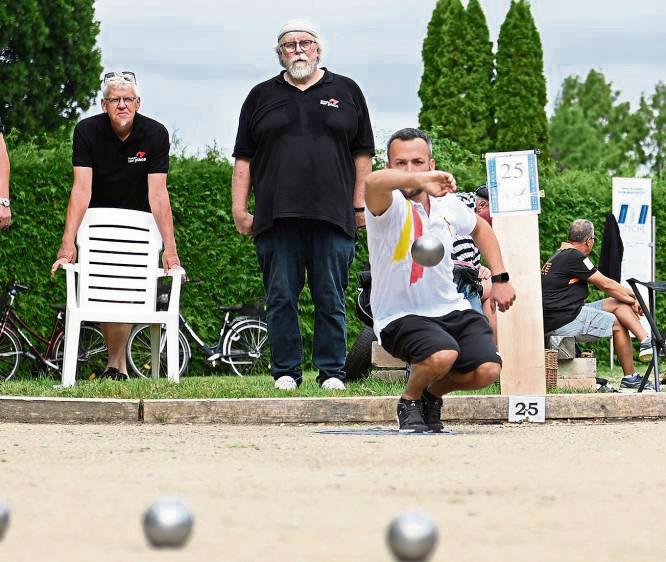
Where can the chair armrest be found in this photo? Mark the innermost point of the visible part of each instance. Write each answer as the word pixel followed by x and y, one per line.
pixel 70 267
pixel 174 299
pixel 176 271
pixel 70 270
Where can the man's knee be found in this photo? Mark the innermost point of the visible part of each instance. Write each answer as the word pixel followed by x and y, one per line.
pixel 487 373
pixel 440 362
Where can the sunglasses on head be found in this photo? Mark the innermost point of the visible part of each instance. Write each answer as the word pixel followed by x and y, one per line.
pixel 126 75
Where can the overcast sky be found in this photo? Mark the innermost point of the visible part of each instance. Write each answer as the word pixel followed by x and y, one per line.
pixel 196 60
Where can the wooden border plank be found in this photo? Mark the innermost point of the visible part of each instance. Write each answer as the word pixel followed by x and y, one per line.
pixel 19 409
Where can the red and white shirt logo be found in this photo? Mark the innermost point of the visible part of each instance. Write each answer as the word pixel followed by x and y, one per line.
pixel 330 103
pixel 140 157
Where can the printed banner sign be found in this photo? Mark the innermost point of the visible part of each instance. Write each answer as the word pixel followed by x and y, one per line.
pixel 632 207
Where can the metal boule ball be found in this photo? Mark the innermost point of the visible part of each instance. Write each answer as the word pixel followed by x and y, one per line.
pixel 167 523
pixel 4 518
pixel 427 251
pixel 412 536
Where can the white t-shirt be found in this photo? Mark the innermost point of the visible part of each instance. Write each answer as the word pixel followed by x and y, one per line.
pixel 398 288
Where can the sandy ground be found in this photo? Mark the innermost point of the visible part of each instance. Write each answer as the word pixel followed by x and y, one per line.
pixel 583 492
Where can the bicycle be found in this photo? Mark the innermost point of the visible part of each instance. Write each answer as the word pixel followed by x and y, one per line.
pixel 14 330
pixel 242 344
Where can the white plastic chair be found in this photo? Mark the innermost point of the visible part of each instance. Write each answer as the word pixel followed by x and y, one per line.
pixel 118 259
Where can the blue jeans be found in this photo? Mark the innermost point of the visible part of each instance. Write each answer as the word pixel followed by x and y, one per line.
pixel 289 249
pixel 472 295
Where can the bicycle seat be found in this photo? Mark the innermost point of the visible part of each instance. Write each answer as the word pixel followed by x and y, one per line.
pixel 232 308
pixel 15 288
pixel 58 307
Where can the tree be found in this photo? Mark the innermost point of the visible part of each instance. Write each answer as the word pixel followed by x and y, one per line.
pixel 654 112
pixel 431 51
pixel 520 87
pixel 49 63
pixel 575 143
pixel 479 80
pixel 451 112
pixel 620 133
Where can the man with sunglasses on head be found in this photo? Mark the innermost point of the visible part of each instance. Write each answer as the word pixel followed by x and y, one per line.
pixel 304 147
pixel 5 211
pixel 121 160
pixel 564 280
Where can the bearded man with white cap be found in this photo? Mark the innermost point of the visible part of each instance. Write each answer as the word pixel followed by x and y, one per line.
pixel 304 147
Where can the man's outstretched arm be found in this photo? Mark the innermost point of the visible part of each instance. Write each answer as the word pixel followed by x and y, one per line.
pixel 380 185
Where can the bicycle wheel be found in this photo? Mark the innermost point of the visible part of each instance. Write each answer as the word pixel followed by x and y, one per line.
pixel 10 354
pixel 93 356
pixel 139 354
pixel 246 348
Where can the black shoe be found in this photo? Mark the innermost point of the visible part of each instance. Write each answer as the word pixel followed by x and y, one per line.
pixel 410 416
pixel 432 411
pixel 113 374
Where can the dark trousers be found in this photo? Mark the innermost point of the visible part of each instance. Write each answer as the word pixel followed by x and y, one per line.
pixel 289 249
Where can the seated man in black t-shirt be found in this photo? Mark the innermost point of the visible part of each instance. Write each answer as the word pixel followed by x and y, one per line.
pixel 5 212
pixel 564 279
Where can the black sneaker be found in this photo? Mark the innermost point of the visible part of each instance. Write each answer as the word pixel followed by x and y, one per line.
pixel 432 411
pixel 410 416
pixel 113 374
pixel 632 383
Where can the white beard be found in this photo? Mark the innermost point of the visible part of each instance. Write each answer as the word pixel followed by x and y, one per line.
pixel 302 71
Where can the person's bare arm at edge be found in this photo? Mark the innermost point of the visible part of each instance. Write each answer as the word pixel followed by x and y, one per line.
pixel 160 206
pixel 363 163
pixel 79 199
pixel 241 183
pixel 5 212
pixel 379 186
pixel 613 289
pixel 502 295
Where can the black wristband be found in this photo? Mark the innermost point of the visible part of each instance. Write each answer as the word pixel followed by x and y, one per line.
pixel 500 278
pixel 359 209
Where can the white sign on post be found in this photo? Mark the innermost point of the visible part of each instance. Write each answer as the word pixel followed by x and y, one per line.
pixel 527 408
pixel 513 183
pixel 632 207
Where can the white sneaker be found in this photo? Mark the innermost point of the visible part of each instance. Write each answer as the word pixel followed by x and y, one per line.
pixel 333 384
pixel 286 383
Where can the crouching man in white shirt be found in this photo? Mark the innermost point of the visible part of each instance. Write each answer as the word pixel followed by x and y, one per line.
pixel 418 314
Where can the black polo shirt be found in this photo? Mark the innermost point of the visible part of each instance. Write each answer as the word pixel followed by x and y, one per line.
pixel 302 146
pixel 121 168
pixel 564 287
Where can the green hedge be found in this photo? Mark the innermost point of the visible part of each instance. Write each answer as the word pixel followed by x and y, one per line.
pixel 214 254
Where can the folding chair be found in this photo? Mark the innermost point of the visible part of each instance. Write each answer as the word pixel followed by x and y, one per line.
pixel 658 344
pixel 118 258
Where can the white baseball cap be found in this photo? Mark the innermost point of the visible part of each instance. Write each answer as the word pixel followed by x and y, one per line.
pixel 298 25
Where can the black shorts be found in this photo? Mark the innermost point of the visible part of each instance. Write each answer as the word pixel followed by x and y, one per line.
pixel 415 338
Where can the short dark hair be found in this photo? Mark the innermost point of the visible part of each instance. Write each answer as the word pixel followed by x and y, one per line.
pixel 482 191
pixel 409 133
pixel 581 230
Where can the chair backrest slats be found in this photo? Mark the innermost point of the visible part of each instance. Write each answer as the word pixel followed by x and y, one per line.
pixel 118 258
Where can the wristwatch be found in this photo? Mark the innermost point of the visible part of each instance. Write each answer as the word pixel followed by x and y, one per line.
pixel 500 278
pixel 4 202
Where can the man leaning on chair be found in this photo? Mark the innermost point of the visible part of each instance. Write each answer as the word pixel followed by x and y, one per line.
pixel 120 160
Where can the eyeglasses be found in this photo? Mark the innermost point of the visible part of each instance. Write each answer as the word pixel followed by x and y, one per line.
pixel 291 46
pixel 126 99
pixel 126 75
pixel 592 238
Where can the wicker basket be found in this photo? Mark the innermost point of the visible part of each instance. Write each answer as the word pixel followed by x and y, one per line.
pixel 551 368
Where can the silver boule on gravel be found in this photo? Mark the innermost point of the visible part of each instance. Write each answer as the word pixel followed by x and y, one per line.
pixel 167 523
pixel 412 536
pixel 427 251
pixel 4 518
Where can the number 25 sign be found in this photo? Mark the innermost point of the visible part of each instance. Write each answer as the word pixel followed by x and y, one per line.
pixel 513 183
